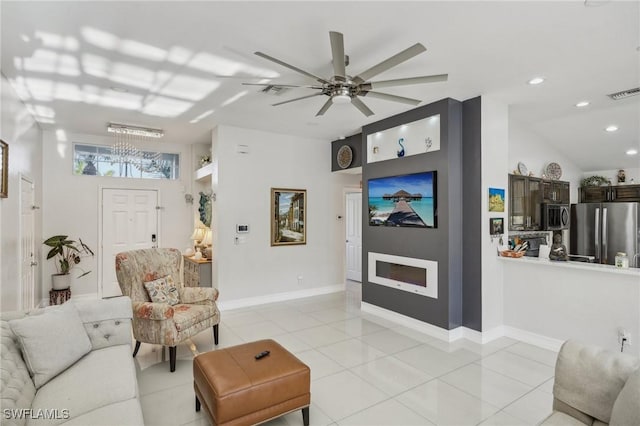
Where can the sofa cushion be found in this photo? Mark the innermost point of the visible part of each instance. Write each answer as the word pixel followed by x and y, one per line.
pixel 51 342
pixel 103 377
pixel 590 378
pixel 626 410
pixel 16 387
pixel 163 290
pixel 125 413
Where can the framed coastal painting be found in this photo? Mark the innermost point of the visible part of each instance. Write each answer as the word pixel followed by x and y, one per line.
pixel 288 216
pixel 4 169
pixel 496 200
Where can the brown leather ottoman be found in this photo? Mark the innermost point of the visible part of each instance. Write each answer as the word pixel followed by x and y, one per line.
pixel 235 388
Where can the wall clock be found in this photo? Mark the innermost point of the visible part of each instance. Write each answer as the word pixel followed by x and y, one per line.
pixel 344 156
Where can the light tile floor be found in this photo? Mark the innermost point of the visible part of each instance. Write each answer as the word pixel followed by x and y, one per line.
pixel 365 370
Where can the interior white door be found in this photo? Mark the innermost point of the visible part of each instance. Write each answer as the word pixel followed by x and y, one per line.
pixel 27 260
pixel 354 236
pixel 129 222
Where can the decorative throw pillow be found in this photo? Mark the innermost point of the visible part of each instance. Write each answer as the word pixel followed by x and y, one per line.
pixel 163 290
pixel 51 342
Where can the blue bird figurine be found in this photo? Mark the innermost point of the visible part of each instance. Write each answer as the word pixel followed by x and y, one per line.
pixel 401 152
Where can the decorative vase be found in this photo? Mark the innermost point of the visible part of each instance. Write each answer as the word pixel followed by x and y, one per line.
pixel 60 281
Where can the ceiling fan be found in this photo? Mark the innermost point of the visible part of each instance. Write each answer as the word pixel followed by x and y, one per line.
pixel 342 88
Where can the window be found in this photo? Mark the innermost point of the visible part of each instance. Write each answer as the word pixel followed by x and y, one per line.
pixel 99 160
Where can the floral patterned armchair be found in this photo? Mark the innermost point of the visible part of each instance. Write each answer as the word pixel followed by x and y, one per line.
pixel 160 323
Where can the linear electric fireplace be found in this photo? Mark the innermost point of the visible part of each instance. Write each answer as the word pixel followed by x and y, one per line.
pixel 404 273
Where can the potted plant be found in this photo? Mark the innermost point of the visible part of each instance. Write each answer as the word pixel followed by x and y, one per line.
pixel 67 255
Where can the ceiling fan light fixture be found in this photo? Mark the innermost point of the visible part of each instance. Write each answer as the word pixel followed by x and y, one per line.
pixel 341 99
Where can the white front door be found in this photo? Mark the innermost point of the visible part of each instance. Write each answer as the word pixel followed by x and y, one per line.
pixel 27 245
pixel 354 236
pixel 129 222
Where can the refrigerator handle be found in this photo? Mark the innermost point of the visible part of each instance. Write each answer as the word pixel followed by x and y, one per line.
pixel 596 235
pixel 604 236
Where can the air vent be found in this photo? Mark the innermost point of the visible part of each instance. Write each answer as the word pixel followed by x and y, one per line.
pixel 625 94
pixel 275 90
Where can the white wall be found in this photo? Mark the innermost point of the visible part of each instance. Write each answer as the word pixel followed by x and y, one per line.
pixel 243 183
pixel 24 137
pixel 536 153
pixel 564 302
pixel 495 138
pixel 71 203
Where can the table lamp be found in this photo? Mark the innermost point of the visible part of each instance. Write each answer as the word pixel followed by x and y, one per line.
pixel 206 244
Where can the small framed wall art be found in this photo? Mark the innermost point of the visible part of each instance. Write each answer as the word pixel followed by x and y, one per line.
pixel 4 169
pixel 496 200
pixel 496 226
pixel 288 216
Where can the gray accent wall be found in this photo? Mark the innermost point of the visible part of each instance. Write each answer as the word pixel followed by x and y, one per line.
pixel 443 244
pixel 355 142
pixel 472 215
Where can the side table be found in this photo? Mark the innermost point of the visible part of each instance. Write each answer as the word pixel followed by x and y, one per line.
pixel 58 297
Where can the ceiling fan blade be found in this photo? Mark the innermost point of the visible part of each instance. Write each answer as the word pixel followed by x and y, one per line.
pixel 325 107
pixel 396 59
pixel 297 99
pixel 337 53
pixel 395 98
pixel 291 67
pixel 361 106
pixel 407 81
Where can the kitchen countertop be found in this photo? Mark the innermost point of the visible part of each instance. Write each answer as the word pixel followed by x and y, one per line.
pixel 574 265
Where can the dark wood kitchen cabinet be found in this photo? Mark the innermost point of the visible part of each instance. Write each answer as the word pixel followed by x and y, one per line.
pixel 525 199
pixel 555 192
pixel 604 194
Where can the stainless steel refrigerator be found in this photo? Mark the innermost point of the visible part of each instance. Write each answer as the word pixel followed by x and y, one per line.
pixel 604 229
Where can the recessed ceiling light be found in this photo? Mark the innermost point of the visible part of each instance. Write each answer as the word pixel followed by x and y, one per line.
pixel 632 151
pixel 611 128
pixel 536 80
pixel 582 104
pixel 119 89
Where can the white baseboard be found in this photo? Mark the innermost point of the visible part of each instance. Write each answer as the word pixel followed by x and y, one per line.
pixel 414 324
pixel 532 338
pixel 484 336
pixel 228 305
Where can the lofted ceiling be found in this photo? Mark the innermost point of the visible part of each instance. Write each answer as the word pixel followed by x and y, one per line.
pixel 179 65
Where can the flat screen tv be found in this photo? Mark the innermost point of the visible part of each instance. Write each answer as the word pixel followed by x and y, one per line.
pixel 405 201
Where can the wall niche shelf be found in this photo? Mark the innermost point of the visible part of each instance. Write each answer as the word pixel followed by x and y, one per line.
pixel 417 137
pixel 203 172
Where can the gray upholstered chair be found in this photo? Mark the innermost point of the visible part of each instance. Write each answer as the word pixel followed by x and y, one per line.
pixel 160 323
pixel 593 386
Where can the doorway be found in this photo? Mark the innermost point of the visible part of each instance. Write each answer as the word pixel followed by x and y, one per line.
pixel 129 222
pixel 27 259
pixel 354 236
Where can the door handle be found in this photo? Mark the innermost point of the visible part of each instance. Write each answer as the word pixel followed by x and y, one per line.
pixel 34 263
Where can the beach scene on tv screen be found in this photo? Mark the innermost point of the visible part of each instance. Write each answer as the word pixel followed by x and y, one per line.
pixel 406 200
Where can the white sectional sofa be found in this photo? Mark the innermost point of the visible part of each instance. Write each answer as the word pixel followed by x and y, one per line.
pixel 98 388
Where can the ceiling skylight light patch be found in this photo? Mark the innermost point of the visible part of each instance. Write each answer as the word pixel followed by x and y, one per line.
pixel 632 151
pixel 142 50
pixel 536 80
pixel 40 89
pixel 25 38
pixel 201 116
pixel 61 135
pixel 41 111
pixel 118 72
pixel 161 106
pixel 56 41
pixel 179 55
pixel 218 65
pixel 47 61
pixel 68 92
pixel 582 104
pixel 234 98
pixel 184 87
pixel 611 128
pixel 99 38
pixel 109 98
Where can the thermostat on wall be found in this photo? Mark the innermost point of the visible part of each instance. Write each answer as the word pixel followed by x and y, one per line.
pixel 242 229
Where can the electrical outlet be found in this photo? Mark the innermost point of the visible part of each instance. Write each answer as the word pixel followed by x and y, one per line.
pixel 624 334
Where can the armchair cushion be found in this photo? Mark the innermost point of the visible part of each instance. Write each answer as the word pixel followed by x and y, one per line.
pixel 51 342
pixel 153 311
pixel 186 316
pixel 163 290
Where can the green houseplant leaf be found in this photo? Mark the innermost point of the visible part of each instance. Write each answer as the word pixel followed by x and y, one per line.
pixel 67 254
